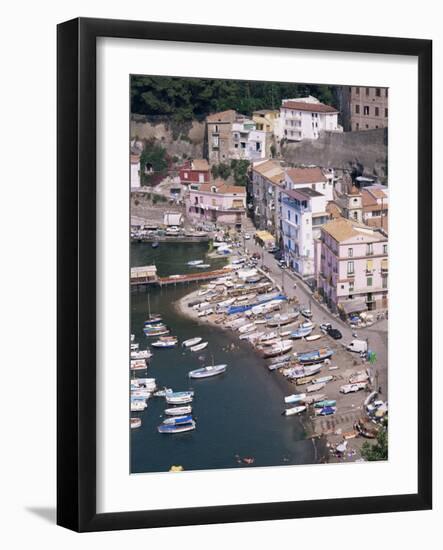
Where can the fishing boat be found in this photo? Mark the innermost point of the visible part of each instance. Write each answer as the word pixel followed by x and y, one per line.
pixel 323 379
pixel 207 372
pixel 138 405
pixel 155 244
pixel 142 354
pixel 315 356
pixel 199 347
pixel 295 397
pixel 138 364
pixel 165 342
pixel 203 266
pixel 315 387
pixel 280 320
pixel 166 429
pixel 179 411
pixel 325 403
pixel 314 398
pixel 192 342
pixel 134 347
pixel 313 337
pixel 306 312
pixel 156 332
pixel 136 423
pixel 162 393
pixel 326 411
pixel 278 349
pixel 294 410
pixel 301 332
pixel 195 262
pixel 246 328
pixel 177 420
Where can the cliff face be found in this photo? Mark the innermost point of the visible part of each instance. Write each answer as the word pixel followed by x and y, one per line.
pixel 365 152
pixel 178 138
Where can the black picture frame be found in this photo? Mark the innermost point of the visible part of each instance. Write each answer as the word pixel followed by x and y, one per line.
pixel 76 264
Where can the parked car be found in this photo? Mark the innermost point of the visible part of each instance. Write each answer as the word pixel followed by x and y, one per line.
pixel 325 327
pixel 247 236
pixel 335 333
pixel 273 249
pixel 282 264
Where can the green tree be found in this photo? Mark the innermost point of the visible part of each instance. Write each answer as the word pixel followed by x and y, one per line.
pixel 240 168
pixel 378 450
pixel 222 171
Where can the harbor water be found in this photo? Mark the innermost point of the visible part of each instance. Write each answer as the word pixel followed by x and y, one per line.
pixel 238 414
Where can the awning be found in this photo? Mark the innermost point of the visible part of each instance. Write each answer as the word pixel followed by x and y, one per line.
pixel 353 306
pixel 264 236
pixel 384 264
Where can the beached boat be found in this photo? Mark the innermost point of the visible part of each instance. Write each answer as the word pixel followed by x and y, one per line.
pixel 177 420
pixel 325 403
pixel 306 312
pixel 295 397
pixel 178 411
pixel 315 356
pixel 207 372
pixel 301 332
pixel 260 321
pixel 294 410
pixel 142 354
pixel 136 423
pixel 195 262
pixel 323 379
pixel 199 347
pixel 304 380
pixel 315 387
pixel 246 328
pixel 278 349
pixel 166 429
pixel 192 342
pixel 314 398
pixel 313 337
pixel 326 411
pixel 358 378
pixel 280 320
pixel 268 336
pixel 279 365
pixel 205 312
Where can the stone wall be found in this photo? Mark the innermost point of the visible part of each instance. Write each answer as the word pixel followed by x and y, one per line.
pixel 178 138
pixel 365 152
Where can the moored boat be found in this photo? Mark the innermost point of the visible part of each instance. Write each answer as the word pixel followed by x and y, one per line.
pixel 199 347
pixel 207 372
pixel 165 342
pixel 192 342
pixel 171 429
pixel 142 354
pixel 178 411
pixel 195 262
pixel 177 420
pixel 136 423
pixel 138 364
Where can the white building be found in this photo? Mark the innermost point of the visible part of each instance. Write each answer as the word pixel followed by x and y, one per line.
pixel 305 117
pixel 247 142
pixel 135 171
pixel 303 215
pixel 313 177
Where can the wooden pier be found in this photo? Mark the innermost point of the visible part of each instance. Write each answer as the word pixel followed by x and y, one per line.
pixel 178 279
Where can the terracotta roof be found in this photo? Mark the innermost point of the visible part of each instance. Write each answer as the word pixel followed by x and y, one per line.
pixel 342 229
pixel 354 190
pixel 306 175
pixel 310 107
pixel 379 222
pixel 271 170
pixel 222 188
pixel 333 209
pixel 200 164
pixel 370 196
pixel 222 116
pixel 135 159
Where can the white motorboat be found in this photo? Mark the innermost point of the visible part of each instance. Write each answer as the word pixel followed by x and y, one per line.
pixel 207 372
pixel 294 410
pixel 179 411
pixel 203 266
pixel 136 423
pixel 138 364
pixel 142 354
pixel 178 400
pixel 192 342
pixel 172 429
pixel 138 405
pixel 313 337
pixel 134 347
pixel 195 262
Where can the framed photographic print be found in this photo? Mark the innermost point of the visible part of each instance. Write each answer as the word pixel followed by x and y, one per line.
pixel 244 274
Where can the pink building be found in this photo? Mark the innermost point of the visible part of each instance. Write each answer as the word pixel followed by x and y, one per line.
pixel 352 266
pixel 217 202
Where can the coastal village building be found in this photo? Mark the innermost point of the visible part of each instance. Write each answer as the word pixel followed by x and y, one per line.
pixel 303 214
pixel 375 203
pixel 195 171
pixel 313 177
pixel 305 117
pixel 217 202
pixel 267 181
pixel 351 266
pixel 230 135
pixel 368 108
pixel 135 171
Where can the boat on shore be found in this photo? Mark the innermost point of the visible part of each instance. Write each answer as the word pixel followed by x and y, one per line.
pixel 315 387
pixel 323 379
pixel 313 337
pixel 278 349
pixel 179 411
pixel 315 356
pixel 325 403
pixel 280 320
pixel 295 398
pixel 294 410
pixel 168 429
pixel 326 411
pixel 301 332
pixel 192 342
pixel 207 372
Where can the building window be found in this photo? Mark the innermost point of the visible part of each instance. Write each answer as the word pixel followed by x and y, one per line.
pixel 366 110
pixel 386 113
pixel 351 287
pixel 350 252
pixel 369 266
pixel 355 215
pixel 369 281
pixel 385 249
pixel 357 90
pixel 384 282
pixel 350 268
pixel 185 174
pixel 369 249
pixel 342 287
pixel 377 111
pixel 386 92
pixel 289 215
pixel 357 126
pixel 357 109
pixel 367 91
pixel 377 92
pixel 216 128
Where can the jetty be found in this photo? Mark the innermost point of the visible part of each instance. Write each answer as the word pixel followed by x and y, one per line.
pixel 144 276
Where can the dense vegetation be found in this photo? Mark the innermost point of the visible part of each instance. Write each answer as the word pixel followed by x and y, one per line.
pixel 238 169
pixel 183 99
pixel 379 450
pixel 153 163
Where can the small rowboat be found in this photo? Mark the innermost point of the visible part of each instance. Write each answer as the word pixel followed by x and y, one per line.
pixel 203 266
pixel 179 400
pixel 323 379
pixel 313 337
pixel 142 354
pixel 294 410
pixel 326 411
pixel 177 420
pixel 325 403
pixel 178 411
pixel 315 387
pixel 167 429
pixel 207 372
pixel 192 342
pixel 295 397
pixel 195 262
pixel 165 343
pixel 199 347
pixel 136 423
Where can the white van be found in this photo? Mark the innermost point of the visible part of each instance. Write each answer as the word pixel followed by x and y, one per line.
pixel 358 346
